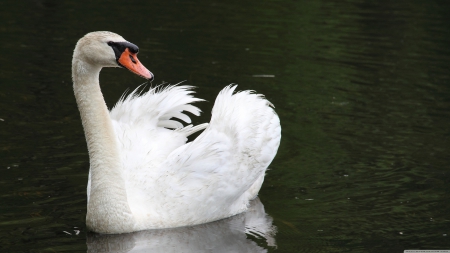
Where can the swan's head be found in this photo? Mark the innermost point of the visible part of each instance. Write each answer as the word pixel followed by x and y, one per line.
pixel 107 49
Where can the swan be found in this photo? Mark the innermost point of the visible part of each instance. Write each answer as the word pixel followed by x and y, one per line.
pixel 143 174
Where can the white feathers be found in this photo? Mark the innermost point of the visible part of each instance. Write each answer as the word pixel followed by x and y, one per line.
pixel 156 106
pixel 170 183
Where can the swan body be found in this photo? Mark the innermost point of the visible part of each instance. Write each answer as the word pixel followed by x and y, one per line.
pixel 143 174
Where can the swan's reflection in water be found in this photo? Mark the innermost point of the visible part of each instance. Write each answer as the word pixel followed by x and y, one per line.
pixel 227 235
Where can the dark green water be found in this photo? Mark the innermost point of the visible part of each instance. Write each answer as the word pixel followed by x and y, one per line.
pixel 362 89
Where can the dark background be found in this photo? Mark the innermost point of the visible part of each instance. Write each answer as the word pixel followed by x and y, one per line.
pixel 362 89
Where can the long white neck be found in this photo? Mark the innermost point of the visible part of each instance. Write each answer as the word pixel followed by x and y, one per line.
pixel 108 198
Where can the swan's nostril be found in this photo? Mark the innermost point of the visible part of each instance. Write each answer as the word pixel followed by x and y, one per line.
pixel 132 59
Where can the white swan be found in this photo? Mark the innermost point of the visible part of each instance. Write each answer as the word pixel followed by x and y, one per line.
pixel 142 174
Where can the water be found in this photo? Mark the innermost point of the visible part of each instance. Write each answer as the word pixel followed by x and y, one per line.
pixel 362 89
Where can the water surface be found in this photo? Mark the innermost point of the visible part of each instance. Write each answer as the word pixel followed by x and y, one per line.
pixel 362 89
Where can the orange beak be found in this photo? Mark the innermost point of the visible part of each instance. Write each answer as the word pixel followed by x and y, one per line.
pixel 131 62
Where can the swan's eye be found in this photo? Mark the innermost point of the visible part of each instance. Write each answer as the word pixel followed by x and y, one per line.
pixel 110 43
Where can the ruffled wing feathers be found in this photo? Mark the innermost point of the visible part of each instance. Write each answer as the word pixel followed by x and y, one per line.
pixel 210 178
pixel 157 106
pixel 216 170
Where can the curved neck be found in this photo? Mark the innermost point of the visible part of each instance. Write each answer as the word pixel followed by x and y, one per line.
pixel 108 197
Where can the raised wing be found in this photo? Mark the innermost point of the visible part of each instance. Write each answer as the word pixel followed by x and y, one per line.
pixel 141 121
pixel 156 107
